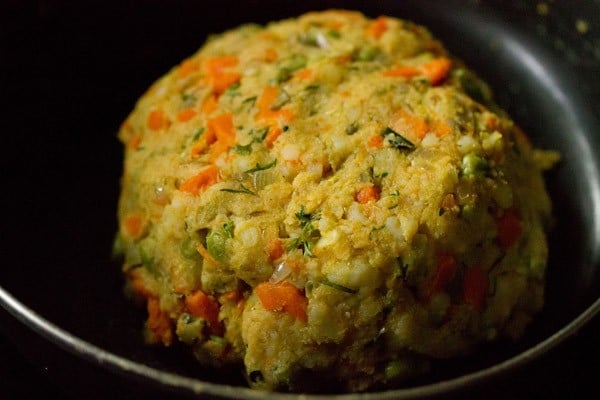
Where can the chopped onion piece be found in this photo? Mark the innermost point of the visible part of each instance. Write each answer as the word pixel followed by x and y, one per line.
pixel 282 271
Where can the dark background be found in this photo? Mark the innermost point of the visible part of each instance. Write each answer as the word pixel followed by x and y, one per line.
pixel 70 71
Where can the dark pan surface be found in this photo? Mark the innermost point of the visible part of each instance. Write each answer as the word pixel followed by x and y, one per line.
pixel 71 72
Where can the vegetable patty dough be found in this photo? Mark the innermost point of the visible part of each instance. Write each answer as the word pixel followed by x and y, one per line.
pixel 330 196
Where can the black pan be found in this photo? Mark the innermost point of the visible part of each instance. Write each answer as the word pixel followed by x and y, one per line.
pixel 70 73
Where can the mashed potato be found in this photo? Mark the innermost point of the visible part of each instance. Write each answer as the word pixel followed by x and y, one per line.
pixel 330 196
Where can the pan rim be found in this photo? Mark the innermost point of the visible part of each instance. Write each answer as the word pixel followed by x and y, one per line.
pixel 124 366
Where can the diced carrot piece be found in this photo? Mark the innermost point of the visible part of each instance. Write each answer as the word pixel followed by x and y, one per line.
pixel 134 142
pixel 234 295
pixel 509 228
pixel 217 75
pixel 444 274
pixel 367 194
pixel 156 120
pixel 199 148
pixel 133 225
pixel 304 74
pixel 186 68
pixel 440 128
pixel 282 297
pixel 204 306
pixel 198 183
pixel 218 64
pixel 216 150
pixel 413 124
pixel 375 141
pixel 492 123
pixel 209 104
pixel 205 254
pixel 220 136
pixel 208 138
pixel 224 80
pixel 223 128
pixel 186 115
pixel 264 103
pixel 475 287
pixel 267 97
pixel 274 249
pixel 270 55
pixel 436 70
pixel 402 71
pixel 377 27
pixel 158 322
pixel 342 59
pixel 272 136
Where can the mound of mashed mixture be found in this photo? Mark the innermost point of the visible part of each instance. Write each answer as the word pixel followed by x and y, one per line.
pixel 330 196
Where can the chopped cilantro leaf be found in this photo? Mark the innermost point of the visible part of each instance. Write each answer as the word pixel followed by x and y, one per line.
pixel 345 289
pixel 243 189
pixel 261 167
pixel 397 140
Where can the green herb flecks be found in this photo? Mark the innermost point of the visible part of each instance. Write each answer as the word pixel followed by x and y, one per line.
pixel 308 235
pixel 259 134
pixel 198 133
pixel 243 150
pixel 474 165
pixel 305 217
pixel 289 66
pixel 188 100
pixel 243 189
pixel 233 90
pixel 352 128
pixel 313 37
pixel 261 167
pixel 189 329
pixel 249 101
pixel 339 287
pixel 377 178
pixel 374 231
pixel 397 140
pixel 367 53
pixel 395 194
pixel 228 228
pixel 334 34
